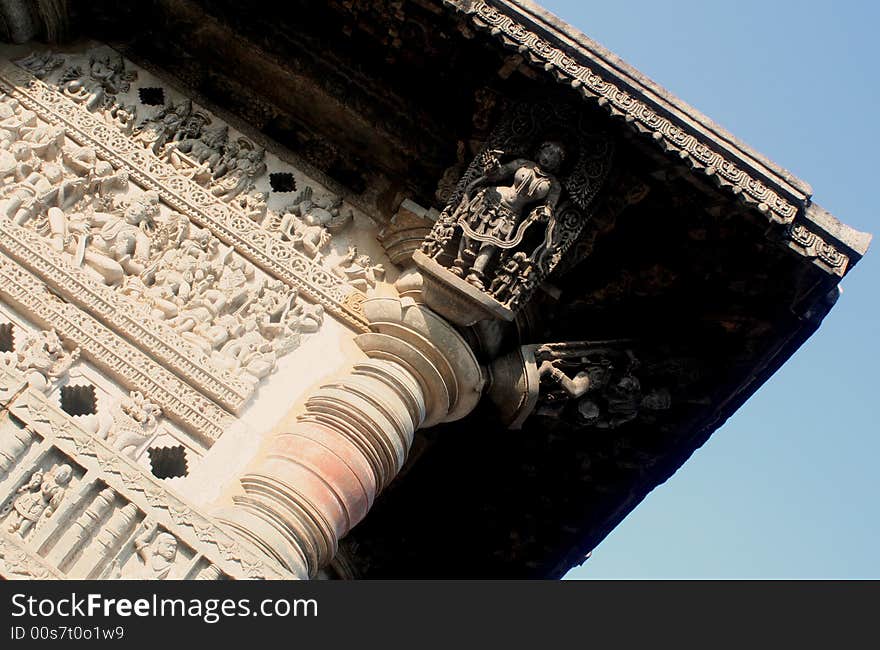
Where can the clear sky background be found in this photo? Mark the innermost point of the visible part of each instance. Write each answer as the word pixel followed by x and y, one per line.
pixel 790 486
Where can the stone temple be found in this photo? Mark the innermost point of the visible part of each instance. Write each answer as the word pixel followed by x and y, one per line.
pixel 366 288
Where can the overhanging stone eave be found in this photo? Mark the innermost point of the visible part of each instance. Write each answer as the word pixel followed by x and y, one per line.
pixel 553 46
pixel 788 342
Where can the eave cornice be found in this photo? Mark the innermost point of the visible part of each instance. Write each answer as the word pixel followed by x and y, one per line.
pixel 547 43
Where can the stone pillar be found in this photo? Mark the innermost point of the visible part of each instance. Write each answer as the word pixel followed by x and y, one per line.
pixel 315 482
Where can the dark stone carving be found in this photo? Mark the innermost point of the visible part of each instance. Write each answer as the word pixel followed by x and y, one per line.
pixel 600 382
pixel 517 209
pixel 588 384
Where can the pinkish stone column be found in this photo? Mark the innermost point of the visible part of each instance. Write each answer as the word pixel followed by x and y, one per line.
pixel 318 480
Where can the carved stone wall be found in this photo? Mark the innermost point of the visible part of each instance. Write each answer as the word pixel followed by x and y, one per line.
pixel 163 281
pixel 102 517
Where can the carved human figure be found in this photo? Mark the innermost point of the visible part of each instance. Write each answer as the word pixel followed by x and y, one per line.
pixel 164 127
pixel 36 184
pixel 248 353
pixel 43 360
pixel 241 173
pixel 41 64
pixel 606 392
pixel 493 215
pixel 199 154
pixel 503 286
pixel 358 270
pixel 156 550
pixel 38 498
pixel 121 244
pixel 106 77
pixel 309 223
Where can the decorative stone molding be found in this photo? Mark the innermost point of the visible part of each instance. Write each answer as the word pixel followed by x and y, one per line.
pixel 226 220
pixel 809 244
pixel 114 311
pixel 124 477
pixel 319 479
pixel 113 354
pixel 403 234
pixel 17 562
pixel 673 135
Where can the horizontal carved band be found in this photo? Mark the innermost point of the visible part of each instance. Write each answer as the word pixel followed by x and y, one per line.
pixel 809 244
pixel 619 102
pixel 160 340
pixel 227 222
pixel 113 354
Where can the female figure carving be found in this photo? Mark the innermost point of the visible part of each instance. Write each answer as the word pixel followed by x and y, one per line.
pixel 499 206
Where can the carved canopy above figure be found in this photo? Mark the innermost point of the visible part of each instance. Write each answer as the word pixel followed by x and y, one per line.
pixel 520 205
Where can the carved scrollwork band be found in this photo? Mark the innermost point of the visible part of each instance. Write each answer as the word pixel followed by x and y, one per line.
pixel 113 354
pixel 74 285
pixel 646 119
pixel 809 244
pixel 227 221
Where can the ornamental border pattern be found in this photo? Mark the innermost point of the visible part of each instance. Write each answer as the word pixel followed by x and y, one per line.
pixel 668 135
pixel 622 104
pixel 229 224
pixel 117 313
pixel 126 477
pixel 812 246
pixel 113 354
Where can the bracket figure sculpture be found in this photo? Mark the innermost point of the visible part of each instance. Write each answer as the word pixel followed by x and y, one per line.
pixel 597 385
pixel 521 204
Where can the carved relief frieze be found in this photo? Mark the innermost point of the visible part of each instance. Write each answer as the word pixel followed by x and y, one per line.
pixel 146 271
pixel 131 526
pixel 199 172
pixel 111 353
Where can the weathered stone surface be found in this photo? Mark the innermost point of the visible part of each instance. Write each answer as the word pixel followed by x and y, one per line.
pixel 264 263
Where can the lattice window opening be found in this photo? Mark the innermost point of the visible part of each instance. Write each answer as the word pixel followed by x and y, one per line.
pixel 7 337
pixel 151 96
pixel 168 462
pixel 79 400
pixel 282 182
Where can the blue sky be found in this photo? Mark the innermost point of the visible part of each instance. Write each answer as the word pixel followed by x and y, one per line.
pixel 789 487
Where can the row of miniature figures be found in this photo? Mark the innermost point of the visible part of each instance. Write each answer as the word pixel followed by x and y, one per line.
pixel 77 525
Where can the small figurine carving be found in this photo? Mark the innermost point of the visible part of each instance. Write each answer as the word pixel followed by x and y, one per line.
pixel 309 223
pixel 43 360
pixel 358 270
pixel 164 127
pixel 605 389
pixel 38 498
pixel 106 78
pixel 157 550
pixel 239 171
